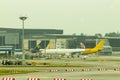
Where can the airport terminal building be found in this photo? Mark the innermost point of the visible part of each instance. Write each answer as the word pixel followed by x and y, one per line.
pixel 11 39
pixel 32 37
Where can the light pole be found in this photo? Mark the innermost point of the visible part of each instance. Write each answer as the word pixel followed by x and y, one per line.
pixel 23 18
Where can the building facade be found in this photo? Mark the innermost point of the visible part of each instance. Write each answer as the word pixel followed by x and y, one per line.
pixel 34 37
pixel 13 37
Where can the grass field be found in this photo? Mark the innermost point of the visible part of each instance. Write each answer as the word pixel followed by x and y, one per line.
pixel 9 72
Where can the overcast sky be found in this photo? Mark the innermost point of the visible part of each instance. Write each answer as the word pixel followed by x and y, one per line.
pixel 73 16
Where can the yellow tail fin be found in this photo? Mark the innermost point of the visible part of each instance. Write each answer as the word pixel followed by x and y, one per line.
pixel 100 44
pixel 48 46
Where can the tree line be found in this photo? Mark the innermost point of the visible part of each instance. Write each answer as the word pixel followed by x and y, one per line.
pixel 110 34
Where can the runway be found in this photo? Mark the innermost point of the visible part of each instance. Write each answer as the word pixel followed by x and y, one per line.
pixel 102 70
pixel 70 75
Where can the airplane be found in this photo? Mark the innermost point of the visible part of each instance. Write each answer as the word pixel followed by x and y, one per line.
pixel 85 51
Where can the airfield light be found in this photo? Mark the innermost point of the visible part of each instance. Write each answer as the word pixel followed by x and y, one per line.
pixel 23 18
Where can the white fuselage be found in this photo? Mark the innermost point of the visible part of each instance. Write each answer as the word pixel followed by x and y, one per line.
pixel 60 51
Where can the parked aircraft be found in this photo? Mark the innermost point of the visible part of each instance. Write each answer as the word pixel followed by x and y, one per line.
pixel 85 51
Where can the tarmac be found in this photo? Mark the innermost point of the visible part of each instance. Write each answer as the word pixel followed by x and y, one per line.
pixel 93 68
